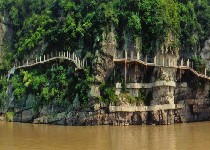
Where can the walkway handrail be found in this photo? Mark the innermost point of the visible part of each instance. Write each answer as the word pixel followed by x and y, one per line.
pixel 182 66
pixel 46 58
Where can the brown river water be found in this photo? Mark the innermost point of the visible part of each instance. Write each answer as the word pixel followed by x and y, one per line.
pixel 19 136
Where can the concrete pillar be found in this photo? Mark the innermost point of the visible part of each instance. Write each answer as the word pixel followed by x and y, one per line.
pixel 40 58
pixel 44 57
pixel 188 63
pixel 67 54
pixel 146 59
pixel 182 62
pixel 36 59
pixel 138 56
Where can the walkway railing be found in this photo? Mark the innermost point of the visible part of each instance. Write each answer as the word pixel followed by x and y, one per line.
pixel 144 108
pixel 124 56
pixel 53 56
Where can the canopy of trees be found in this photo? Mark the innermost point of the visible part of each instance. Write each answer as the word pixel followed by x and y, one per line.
pixel 78 24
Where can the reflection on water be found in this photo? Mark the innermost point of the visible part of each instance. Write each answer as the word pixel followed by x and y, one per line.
pixel 18 136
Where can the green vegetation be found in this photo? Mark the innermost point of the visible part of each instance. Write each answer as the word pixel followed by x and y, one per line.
pixel 9 116
pixel 108 91
pixel 37 27
pixel 43 83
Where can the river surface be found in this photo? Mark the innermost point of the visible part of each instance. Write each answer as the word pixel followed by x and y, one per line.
pixel 19 136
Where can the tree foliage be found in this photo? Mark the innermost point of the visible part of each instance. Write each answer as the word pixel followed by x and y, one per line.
pixel 44 26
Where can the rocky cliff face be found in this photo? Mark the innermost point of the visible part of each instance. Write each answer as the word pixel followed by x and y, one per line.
pixel 103 63
pixel 205 54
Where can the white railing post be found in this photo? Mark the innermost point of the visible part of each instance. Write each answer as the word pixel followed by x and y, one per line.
pixel 67 54
pixel 27 62
pixel 36 59
pixel 155 60
pixel 182 62
pixel 145 59
pixel 44 57
pixel 40 58
pixel 79 63
pixel 73 56
pixel 76 59
pixel 83 63
pixel 138 56
pixel 205 71
pixel 126 55
pixel 58 54
pixel 188 62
